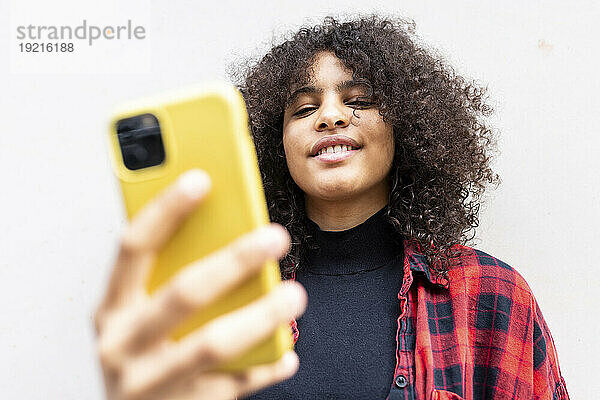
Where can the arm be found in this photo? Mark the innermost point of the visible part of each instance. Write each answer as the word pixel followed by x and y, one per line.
pixel 547 380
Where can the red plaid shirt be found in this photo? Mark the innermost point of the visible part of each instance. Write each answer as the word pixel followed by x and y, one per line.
pixel 478 335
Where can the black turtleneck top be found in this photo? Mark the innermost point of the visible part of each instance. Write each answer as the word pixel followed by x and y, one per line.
pixel 347 342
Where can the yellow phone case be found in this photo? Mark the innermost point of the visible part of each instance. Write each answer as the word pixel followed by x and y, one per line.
pixel 205 127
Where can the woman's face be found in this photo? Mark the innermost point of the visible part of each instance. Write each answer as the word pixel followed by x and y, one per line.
pixel 331 153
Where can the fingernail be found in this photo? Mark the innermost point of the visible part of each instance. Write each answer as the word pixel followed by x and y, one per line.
pixel 295 298
pixel 194 183
pixel 272 240
pixel 290 362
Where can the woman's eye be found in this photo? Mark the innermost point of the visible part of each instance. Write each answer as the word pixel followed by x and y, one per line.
pixel 360 103
pixel 304 111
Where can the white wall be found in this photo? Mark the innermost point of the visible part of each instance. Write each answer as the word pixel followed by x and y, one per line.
pixel 61 212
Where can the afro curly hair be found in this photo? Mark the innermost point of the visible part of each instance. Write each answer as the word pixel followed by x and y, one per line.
pixel 443 146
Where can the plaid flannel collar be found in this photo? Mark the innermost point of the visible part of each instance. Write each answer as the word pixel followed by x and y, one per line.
pixel 417 264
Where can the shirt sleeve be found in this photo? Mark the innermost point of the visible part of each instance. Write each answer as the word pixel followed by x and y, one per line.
pixel 548 382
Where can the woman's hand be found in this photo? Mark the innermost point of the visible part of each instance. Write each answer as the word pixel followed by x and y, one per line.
pixel 138 359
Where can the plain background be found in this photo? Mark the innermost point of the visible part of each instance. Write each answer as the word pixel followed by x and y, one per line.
pixel 61 212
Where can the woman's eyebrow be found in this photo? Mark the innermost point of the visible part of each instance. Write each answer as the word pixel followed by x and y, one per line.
pixel 349 85
pixel 309 89
pixel 304 89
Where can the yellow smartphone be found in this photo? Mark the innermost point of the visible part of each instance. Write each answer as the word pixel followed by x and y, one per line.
pixel 153 141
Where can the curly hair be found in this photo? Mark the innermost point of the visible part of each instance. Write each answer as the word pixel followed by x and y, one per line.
pixel 443 147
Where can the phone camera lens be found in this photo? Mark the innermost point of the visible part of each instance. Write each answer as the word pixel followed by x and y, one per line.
pixel 141 142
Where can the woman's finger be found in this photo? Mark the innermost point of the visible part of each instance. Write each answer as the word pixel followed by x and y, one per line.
pixel 220 340
pixel 224 386
pixel 148 231
pixel 202 282
pixel 217 342
pixel 231 386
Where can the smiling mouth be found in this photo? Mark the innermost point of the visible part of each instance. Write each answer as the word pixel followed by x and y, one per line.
pixel 338 148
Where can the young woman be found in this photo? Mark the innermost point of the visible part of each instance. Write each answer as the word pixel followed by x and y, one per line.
pixel 374 156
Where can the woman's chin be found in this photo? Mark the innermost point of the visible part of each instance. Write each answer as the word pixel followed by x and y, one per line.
pixel 334 190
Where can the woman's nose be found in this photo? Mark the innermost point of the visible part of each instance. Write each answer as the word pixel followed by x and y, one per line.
pixel 332 116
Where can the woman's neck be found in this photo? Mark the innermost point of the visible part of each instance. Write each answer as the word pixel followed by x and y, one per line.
pixel 342 214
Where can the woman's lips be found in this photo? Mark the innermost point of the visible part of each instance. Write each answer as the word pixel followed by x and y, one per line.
pixel 330 158
pixel 333 140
